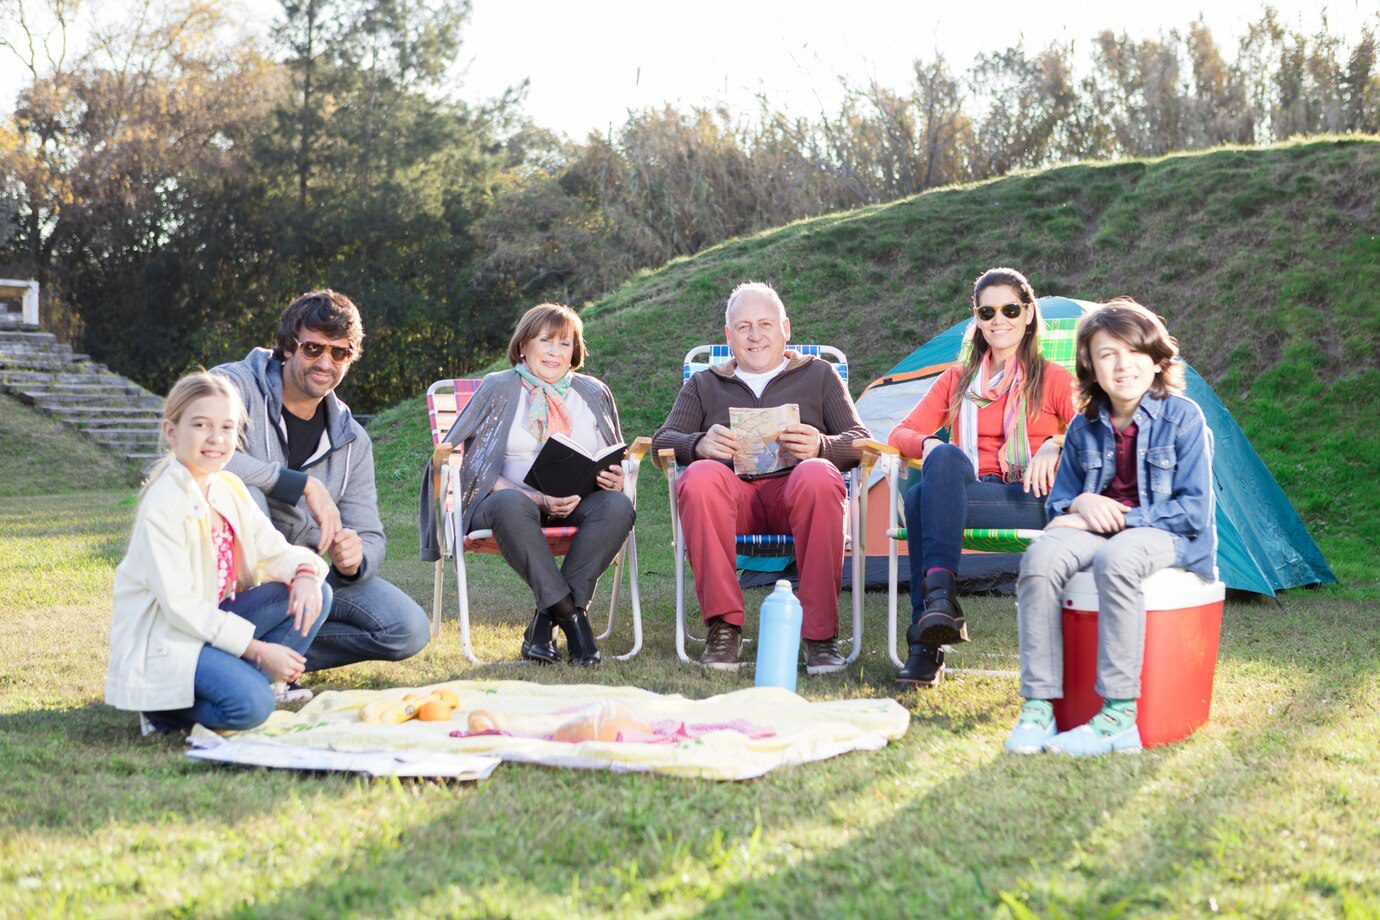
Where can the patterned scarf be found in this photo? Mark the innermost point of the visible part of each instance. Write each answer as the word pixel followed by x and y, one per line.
pixel 984 389
pixel 547 414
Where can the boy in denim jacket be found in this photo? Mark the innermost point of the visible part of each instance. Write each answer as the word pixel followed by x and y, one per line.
pixel 1133 495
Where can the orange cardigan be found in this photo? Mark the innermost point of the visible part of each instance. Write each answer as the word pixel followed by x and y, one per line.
pixel 1056 411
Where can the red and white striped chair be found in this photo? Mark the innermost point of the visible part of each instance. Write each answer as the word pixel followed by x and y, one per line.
pixel 445 400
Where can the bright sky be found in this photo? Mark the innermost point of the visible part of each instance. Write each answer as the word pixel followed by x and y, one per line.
pixel 590 61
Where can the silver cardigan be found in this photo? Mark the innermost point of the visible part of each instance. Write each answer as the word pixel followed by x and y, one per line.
pixel 482 428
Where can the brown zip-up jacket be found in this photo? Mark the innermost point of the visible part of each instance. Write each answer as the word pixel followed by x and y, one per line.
pixel 809 382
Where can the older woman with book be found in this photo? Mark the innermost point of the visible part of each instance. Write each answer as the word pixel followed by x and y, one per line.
pixel 503 428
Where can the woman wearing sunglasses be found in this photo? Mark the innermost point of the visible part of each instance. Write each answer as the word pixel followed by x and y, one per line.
pixel 1004 408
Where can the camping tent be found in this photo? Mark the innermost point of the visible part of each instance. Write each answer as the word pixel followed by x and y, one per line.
pixel 1262 545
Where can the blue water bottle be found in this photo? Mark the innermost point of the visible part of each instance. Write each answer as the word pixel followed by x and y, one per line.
pixel 778 638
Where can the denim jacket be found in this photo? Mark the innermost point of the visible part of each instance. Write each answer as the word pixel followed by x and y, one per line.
pixel 1173 472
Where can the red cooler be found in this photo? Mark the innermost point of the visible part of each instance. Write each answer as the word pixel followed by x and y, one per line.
pixel 1183 623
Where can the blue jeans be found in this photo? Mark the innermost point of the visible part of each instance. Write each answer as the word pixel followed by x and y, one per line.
pixel 232 694
pixel 950 498
pixel 371 620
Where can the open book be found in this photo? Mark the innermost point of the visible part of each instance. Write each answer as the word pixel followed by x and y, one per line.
pixel 759 453
pixel 564 468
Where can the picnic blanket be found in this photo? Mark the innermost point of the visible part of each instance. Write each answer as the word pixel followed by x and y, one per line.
pixel 733 736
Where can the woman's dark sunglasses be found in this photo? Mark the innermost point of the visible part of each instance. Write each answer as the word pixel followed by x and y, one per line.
pixel 313 350
pixel 1009 310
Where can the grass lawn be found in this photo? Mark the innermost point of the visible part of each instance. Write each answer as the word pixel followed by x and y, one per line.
pixel 1269 810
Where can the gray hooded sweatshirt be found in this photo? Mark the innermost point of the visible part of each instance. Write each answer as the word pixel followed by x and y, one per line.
pixel 343 461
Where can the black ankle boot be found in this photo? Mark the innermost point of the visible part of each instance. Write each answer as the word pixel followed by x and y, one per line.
pixel 942 622
pixel 924 665
pixel 579 638
pixel 537 642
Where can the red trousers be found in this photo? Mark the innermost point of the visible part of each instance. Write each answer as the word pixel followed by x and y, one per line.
pixel 715 506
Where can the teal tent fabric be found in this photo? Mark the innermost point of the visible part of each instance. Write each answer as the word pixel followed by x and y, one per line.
pixel 1262 544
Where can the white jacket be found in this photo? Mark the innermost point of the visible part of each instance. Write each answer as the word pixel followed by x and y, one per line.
pixel 166 606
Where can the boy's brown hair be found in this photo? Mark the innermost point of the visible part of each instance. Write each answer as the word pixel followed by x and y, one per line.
pixel 1132 323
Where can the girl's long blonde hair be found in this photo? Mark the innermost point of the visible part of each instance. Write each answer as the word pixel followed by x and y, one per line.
pixel 187 391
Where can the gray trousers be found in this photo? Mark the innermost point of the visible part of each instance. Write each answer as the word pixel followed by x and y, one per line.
pixel 1119 564
pixel 605 519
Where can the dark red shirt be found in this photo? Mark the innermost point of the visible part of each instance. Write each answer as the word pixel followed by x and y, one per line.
pixel 1125 485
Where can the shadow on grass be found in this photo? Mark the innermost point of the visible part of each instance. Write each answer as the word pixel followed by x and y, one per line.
pixel 1097 837
pixel 84 768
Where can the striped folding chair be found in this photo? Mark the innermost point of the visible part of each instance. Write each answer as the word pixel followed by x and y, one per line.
pixel 445 400
pixel 1057 344
pixel 765 546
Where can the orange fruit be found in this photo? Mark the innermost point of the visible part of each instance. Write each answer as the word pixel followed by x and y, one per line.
pixel 449 697
pixel 435 711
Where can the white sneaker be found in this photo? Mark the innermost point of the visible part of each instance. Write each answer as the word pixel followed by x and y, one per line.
pixel 146 727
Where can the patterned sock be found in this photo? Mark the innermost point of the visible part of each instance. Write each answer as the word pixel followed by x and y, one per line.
pixel 1037 712
pixel 1116 716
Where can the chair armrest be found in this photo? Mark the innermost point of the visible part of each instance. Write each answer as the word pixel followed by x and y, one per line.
pixel 665 460
pixel 872 451
pixel 638 449
pixel 440 456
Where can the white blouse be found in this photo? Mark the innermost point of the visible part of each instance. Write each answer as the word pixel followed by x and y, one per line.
pixel 523 447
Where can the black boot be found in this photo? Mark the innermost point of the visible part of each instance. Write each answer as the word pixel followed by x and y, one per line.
pixel 537 642
pixel 924 665
pixel 942 622
pixel 579 637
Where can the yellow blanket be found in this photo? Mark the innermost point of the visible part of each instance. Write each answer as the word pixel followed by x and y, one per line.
pixel 800 730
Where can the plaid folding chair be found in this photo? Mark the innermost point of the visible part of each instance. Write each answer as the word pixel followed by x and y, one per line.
pixel 766 546
pixel 445 400
pixel 1057 344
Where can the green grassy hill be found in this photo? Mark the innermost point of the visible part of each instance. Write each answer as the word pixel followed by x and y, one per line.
pixel 1264 262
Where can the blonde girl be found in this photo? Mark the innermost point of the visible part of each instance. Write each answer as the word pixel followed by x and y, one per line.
pixel 212 604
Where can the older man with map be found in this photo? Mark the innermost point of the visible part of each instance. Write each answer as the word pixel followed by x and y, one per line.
pixel 804 497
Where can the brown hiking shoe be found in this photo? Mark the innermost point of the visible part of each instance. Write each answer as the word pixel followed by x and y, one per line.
pixel 822 656
pixel 721 648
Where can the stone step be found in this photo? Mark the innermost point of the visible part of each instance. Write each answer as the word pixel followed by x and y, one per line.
pixel 79 413
pixel 36 348
pixel 116 422
pixel 123 443
pixel 50 365
pixel 124 431
pixel 142 459
pixel 26 335
pixel 31 380
pixel 45 400
pixel 111 385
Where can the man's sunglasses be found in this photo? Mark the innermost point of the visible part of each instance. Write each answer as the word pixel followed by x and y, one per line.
pixel 1009 310
pixel 313 350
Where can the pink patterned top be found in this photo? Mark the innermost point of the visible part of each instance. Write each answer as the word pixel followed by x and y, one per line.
pixel 224 542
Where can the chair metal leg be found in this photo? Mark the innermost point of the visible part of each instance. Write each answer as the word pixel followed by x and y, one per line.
pixel 463 591
pixel 858 555
pixel 631 548
pixel 437 589
pixel 617 584
pixel 892 559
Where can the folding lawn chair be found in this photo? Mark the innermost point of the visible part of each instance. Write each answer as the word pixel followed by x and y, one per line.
pixel 1057 344
pixel 445 399
pixel 765 545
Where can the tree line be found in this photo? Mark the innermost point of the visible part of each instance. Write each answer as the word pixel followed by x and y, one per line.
pixel 172 184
